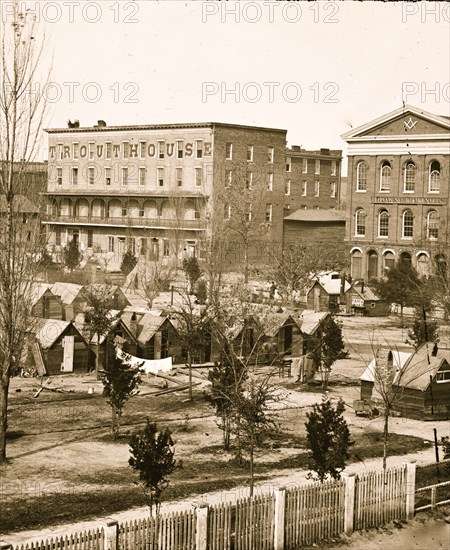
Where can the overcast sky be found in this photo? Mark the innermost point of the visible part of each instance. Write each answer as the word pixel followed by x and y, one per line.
pixel 315 69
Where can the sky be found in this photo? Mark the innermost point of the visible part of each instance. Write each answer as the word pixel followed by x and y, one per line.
pixel 315 69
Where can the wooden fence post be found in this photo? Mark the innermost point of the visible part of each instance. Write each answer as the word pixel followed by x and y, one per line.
pixel 201 536
pixel 280 506
pixel 349 502
pixel 111 528
pixel 410 487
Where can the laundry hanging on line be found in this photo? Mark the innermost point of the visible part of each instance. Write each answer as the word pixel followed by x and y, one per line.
pixel 149 366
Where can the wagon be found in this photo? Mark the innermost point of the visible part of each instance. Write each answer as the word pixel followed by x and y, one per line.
pixel 365 407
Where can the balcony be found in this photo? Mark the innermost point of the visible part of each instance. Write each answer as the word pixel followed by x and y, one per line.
pixel 125 221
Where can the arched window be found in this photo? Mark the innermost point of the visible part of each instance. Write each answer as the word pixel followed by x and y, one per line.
pixel 361 176
pixel 383 223
pixel 372 269
pixel 389 261
pixel 385 176
pixel 409 175
pixel 433 225
pixel 434 179
pixel 405 259
pixel 441 266
pixel 423 265
pixel 356 265
pixel 360 223
pixel 408 225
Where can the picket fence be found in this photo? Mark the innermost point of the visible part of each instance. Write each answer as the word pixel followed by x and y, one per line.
pixel 282 520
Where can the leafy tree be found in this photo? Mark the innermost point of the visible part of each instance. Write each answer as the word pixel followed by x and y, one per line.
pixel 327 346
pixel 97 316
pixel 227 386
pixel 120 380
pixel 153 458
pixel 255 424
pixel 71 255
pixel 423 330
pixel 192 271
pixel 128 263
pixel 328 439
pixel 201 292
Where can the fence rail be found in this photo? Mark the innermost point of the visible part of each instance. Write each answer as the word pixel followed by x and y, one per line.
pixel 282 520
pixel 433 496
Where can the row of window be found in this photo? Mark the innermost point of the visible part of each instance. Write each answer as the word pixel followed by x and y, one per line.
pixel 250 153
pixel 104 211
pixel 93 176
pixel 316 166
pixel 432 226
pixel 409 176
pixel 227 211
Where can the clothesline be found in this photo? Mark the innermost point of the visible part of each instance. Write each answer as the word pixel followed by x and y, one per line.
pixel 149 366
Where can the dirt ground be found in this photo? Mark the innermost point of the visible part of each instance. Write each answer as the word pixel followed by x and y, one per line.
pixel 60 445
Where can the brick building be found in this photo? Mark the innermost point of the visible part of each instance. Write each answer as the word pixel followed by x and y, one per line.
pixel 163 190
pixel 398 193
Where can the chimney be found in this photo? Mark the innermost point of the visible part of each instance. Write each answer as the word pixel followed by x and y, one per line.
pixel 324 151
pixel 133 324
pixel 362 287
pixel 435 350
pixel 101 124
pixel 296 148
pixel 74 124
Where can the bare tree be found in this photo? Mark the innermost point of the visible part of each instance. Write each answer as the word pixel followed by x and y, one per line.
pixel 149 278
pixel 22 111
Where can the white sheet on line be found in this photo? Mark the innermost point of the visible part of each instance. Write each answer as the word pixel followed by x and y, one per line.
pixel 149 366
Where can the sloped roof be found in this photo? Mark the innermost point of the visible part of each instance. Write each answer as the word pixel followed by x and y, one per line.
pixel 316 215
pixel 274 320
pixel 37 290
pixel 135 298
pixel 330 285
pixel 66 291
pixel 147 324
pixel 399 358
pixel 368 294
pixel 47 331
pixel 418 372
pixel 310 320
pixel 79 323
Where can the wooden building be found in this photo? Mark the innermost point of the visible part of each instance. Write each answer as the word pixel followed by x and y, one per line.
pixel 44 303
pixel 364 301
pixel 57 347
pixel 328 293
pixel 67 292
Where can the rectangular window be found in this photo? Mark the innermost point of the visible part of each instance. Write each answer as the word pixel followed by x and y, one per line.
pixel 333 188
pixel 110 244
pixel 75 148
pixel 142 149
pixel 58 236
pixel 141 211
pixel 91 175
pixel 268 212
pixel 270 155
pixel 166 248
pixel 142 176
pixel 160 177
pixel 198 177
pixel 131 245
pixel 60 151
pixel 443 376
pixel 287 187
pixel 107 176
pixel 91 150
pixel 124 210
pixel 228 178
pixel 125 149
pixel 124 176
pixel 143 249
pixel 288 164
pixel 106 210
pixel 179 177
pixel 180 149
pixel 250 153
pixel 227 211
pixel 304 188
pixel 161 149
pixel 333 167
pixel 108 150
pixel 249 181
pixel 90 238
pixel 269 182
pixel 59 176
pixel 229 151
pixel 75 176
pixel 305 166
pixel 317 167
pixel 199 149
pixel 316 188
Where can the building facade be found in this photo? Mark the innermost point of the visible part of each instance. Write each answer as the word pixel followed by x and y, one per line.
pixel 397 199
pixel 161 190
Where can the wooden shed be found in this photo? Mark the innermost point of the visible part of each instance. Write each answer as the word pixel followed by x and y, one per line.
pixel 281 334
pixel 57 347
pixel 367 302
pixel 67 292
pixel 113 294
pixel 45 304
pixel 328 292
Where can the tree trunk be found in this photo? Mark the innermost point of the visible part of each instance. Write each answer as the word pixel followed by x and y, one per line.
pixel 190 375
pixel 97 374
pixel 3 416
pixel 385 437
pixel 252 468
pixel 114 423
